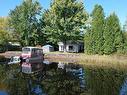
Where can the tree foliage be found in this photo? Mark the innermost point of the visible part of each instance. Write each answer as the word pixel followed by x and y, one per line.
pixel 104 35
pixel 95 34
pixel 4 37
pixel 4 23
pixel 118 35
pixel 125 42
pixel 24 21
pixel 109 46
pixel 64 21
pixel 4 31
pixel 98 28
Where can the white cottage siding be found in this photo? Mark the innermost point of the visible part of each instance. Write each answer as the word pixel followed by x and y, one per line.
pixel 70 47
pixel 48 48
pixel 61 48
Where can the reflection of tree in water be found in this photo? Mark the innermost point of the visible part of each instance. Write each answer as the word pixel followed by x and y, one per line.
pixel 104 81
pixel 34 77
pixel 123 90
pixel 34 85
pixel 11 77
pixel 57 81
pixel 25 84
pixel 17 86
pixel 6 72
pixel 61 82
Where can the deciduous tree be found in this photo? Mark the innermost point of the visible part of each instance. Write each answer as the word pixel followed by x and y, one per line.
pixel 64 21
pixel 24 21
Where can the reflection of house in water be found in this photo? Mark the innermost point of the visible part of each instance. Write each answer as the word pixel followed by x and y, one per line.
pixel 54 71
pixel 50 65
pixel 75 69
pixel 61 65
pixel 123 90
pixel 47 62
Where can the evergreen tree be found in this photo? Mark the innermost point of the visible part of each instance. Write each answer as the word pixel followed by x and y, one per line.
pixel 98 29
pixel 118 35
pixel 88 39
pixel 125 42
pixel 109 36
pixel 113 36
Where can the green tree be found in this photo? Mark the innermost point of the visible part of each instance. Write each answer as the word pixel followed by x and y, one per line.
pixel 113 36
pixel 109 36
pixel 118 34
pixel 64 21
pixel 24 21
pixel 97 27
pixel 88 39
pixel 4 37
pixel 125 42
pixel 4 23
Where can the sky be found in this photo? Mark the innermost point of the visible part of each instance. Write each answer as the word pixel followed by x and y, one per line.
pixel 109 6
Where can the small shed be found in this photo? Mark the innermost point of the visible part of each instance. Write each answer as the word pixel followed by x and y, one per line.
pixel 47 48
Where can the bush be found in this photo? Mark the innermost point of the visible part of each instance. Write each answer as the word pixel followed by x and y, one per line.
pixel 2 48
pixel 2 58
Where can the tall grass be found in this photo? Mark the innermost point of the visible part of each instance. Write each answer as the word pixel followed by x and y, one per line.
pixel 88 59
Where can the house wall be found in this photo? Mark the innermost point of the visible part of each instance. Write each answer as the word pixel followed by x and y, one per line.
pixel 48 49
pixel 61 48
pixel 70 47
pixel 75 48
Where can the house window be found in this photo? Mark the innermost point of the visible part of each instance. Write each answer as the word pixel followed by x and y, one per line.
pixel 71 47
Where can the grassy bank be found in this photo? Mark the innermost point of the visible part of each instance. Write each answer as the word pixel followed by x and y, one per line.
pixel 99 60
pixel 82 58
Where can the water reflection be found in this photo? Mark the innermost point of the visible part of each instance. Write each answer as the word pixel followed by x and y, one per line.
pixel 32 68
pixel 3 93
pixel 61 78
pixel 105 80
pixel 34 85
pixel 123 90
pixel 76 70
pixel 54 78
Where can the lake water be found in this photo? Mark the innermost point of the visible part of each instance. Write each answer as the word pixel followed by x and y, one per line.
pixel 61 78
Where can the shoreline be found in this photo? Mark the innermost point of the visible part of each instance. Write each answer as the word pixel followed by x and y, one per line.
pixel 77 57
pixel 80 57
pixel 94 61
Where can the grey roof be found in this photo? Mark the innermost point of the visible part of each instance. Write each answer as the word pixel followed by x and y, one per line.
pixel 47 46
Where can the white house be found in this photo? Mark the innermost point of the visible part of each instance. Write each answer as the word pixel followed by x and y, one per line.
pixel 70 46
pixel 47 48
